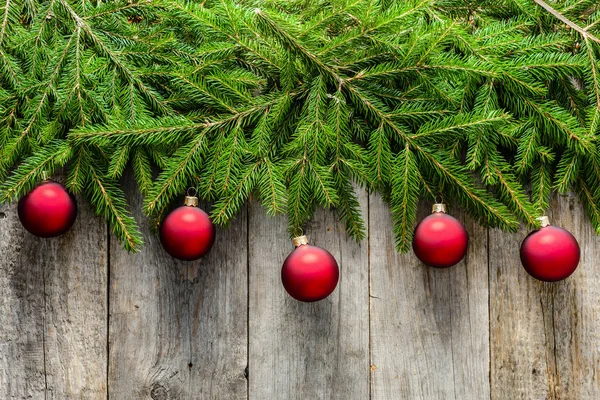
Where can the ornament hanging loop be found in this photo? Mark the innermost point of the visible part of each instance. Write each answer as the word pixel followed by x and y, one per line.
pixel 44 175
pixel 190 199
pixel 439 205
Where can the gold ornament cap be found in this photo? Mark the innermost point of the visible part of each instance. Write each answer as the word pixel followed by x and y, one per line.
pixel 438 207
pixel 300 240
pixel 190 199
pixel 544 220
pixel 45 176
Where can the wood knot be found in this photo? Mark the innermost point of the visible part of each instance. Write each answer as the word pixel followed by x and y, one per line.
pixel 159 392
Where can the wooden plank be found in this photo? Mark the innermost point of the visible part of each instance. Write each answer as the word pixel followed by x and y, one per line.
pixel 21 311
pixel 307 350
pixel 178 329
pixel 53 310
pixel 576 306
pixel 75 268
pixel 429 327
pixel 521 363
pixel 544 336
pixel 218 317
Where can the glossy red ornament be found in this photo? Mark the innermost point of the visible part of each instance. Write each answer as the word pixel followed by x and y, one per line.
pixel 440 240
pixel 187 233
pixel 550 253
pixel 48 210
pixel 309 273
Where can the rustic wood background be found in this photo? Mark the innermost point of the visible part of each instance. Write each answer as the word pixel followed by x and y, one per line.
pixel 82 319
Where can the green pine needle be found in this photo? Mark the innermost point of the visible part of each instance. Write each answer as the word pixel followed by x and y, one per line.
pixel 492 104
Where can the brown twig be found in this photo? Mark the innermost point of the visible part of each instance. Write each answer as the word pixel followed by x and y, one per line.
pixel 567 21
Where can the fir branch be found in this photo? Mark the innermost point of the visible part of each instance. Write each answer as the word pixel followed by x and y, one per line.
pixel 567 131
pixel 509 189
pixel 325 17
pixel 173 180
pixel 109 201
pixel 566 171
pixel 380 155
pixel 151 96
pixel 4 25
pixel 404 198
pixel 299 104
pixel 488 210
pixel 349 210
pixel 207 19
pixel 449 127
pixel 594 69
pixel 591 204
pixel 142 170
pixel 155 132
pixel 298 209
pixel 77 171
pixel 118 162
pixel 225 209
pixel 271 188
pixel 527 149
pixel 385 21
pixel 541 185
pixel 29 173
pixel 567 21
pixel 294 46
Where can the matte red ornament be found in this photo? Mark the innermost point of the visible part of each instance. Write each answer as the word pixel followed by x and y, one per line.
pixel 309 273
pixel 550 253
pixel 440 240
pixel 187 233
pixel 48 210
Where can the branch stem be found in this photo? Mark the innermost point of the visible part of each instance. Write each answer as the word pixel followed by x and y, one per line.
pixel 567 21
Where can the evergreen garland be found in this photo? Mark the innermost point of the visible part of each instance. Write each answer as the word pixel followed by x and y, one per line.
pixel 491 103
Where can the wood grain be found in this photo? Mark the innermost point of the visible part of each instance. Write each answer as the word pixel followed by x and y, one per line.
pixel 545 335
pixel 22 311
pixel 53 312
pixel 429 327
pixel 393 329
pixel 522 367
pixel 178 330
pixel 307 350
pixel 576 306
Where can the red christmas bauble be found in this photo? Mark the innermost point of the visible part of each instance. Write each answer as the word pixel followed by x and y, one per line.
pixel 187 233
pixel 309 273
pixel 48 210
pixel 550 253
pixel 440 240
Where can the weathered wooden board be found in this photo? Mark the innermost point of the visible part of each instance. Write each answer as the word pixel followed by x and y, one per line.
pixel 53 312
pixel 307 350
pixel 393 329
pixel 429 327
pixel 576 306
pixel 178 330
pixel 75 271
pixel 218 322
pixel 22 305
pixel 545 336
